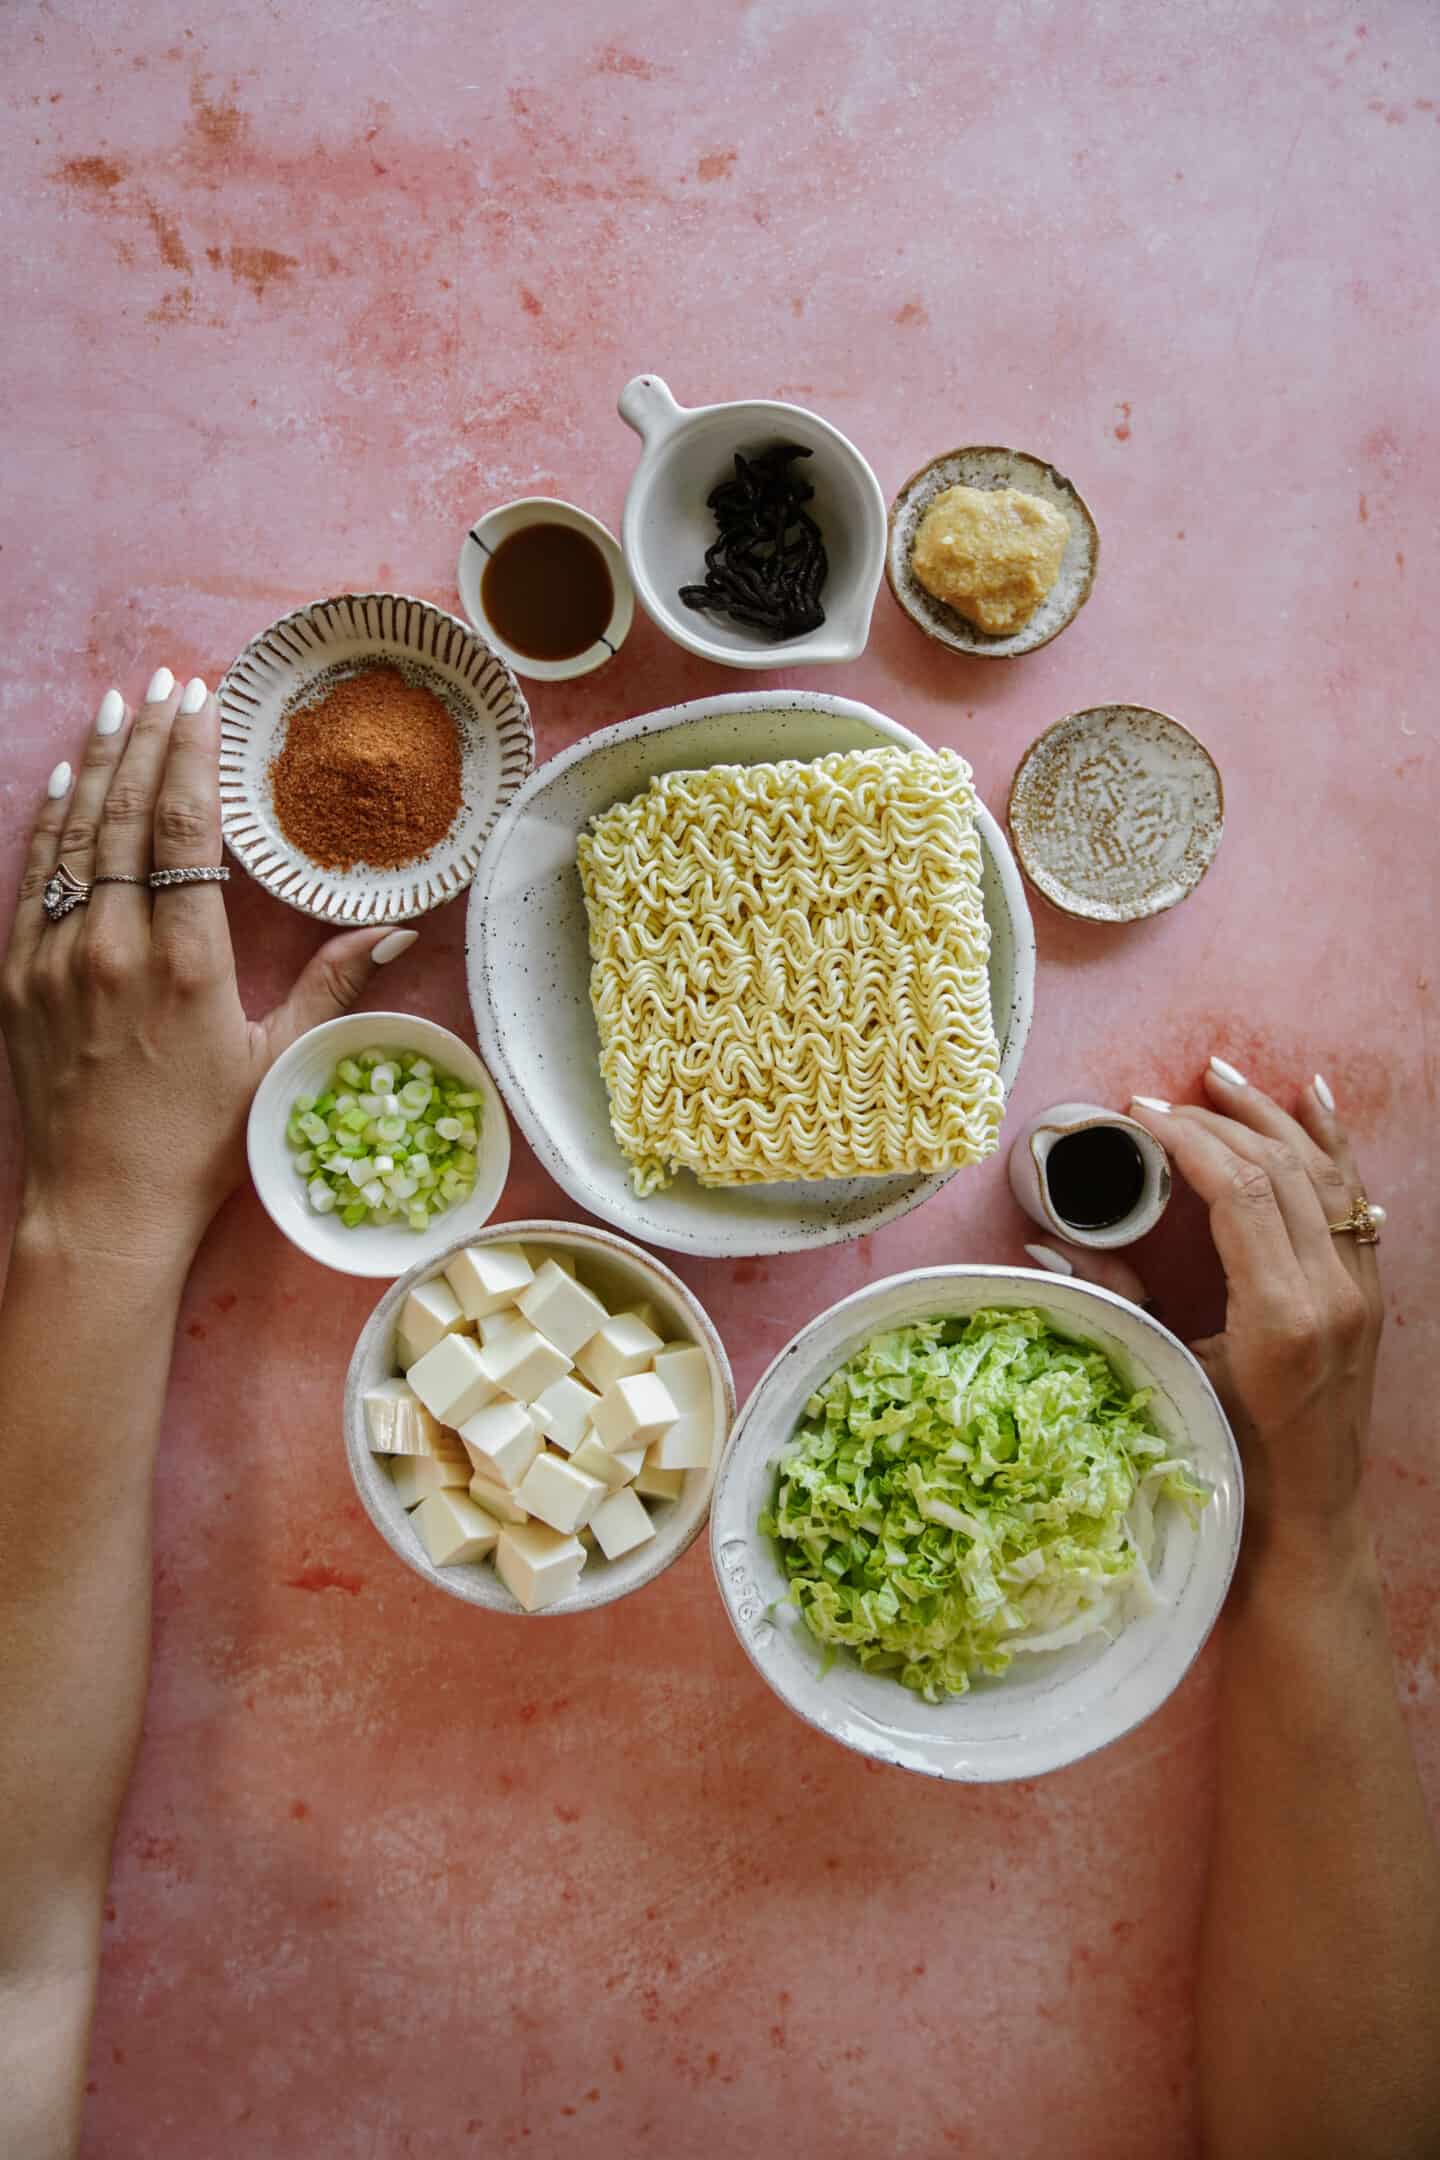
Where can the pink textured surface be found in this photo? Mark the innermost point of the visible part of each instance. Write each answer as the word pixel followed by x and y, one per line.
pixel 290 296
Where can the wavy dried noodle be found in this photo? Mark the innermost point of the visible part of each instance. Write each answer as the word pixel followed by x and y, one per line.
pixel 789 970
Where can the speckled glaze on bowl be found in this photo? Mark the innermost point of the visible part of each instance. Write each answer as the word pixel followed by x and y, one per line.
pixel 529 972
pixel 621 1274
pixel 1116 813
pixel 1048 1710
pixel 283 668
pixel 990 466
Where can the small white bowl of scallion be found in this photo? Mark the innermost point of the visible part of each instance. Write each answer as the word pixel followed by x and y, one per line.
pixel 377 1139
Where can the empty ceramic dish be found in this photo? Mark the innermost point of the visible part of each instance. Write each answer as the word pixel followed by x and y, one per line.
pixel 1116 813
pixel 610 616
pixel 288 666
pixel 668 523
pixel 986 467
pixel 529 966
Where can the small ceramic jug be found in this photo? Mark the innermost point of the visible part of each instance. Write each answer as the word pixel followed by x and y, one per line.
pixel 1031 1185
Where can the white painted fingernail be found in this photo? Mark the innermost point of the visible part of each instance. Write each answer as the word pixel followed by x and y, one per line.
pixel 1322 1088
pixel 59 782
pixel 1149 1102
pixel 390 948
pixel 162 682
pixel 1054 1263
pixel 111 713
pixel 1228 1072
pixel 195 694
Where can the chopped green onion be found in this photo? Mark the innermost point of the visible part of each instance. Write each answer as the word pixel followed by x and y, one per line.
pixel 388 1140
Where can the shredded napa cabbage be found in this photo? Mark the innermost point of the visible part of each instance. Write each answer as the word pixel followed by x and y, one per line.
pixel 961 1491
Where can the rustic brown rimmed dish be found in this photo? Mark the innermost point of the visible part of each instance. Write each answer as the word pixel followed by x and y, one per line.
pixel 287 665
pixel 989 465
pixel 1116 813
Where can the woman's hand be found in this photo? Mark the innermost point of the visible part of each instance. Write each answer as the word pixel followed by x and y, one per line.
pixel 132 1058
pixel 1295 1366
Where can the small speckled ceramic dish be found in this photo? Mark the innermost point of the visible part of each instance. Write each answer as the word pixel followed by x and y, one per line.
pixel 986 466
pixel 1050 1708
pixel 529 964
pixel 1116 813
pixel 479 545
pixel 668 523
pixel 620 1274
pixel 374 1249
pixel 293 663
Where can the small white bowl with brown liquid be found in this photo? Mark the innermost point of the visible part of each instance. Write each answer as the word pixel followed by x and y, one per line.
pixel 546 586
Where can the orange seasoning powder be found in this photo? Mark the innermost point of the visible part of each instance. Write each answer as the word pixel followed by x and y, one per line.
pixel 370 773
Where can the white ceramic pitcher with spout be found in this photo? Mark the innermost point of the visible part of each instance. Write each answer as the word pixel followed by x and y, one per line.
pixel 1029 1182
pixel 668 524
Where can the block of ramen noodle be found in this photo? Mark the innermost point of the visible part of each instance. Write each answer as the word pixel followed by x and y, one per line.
pixel 788 970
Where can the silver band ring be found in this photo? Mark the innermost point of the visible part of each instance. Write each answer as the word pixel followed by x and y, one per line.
pixel 209 874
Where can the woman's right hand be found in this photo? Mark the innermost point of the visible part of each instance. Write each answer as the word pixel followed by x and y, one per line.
pixel 1295 1365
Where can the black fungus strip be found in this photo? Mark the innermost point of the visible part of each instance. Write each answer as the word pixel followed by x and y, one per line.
pixel 767 566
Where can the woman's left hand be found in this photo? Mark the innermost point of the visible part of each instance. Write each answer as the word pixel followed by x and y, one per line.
pixel 132 1057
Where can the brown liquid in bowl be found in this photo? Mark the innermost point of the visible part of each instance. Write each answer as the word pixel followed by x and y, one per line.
pixel 547 591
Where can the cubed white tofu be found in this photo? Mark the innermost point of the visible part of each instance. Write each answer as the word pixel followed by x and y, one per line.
pixel 537 1255
pixel 558 1493
pixel 486 1277
pixel 596 1460
pixel 416 1476
pixel 564 1412
pixel 538 1565
pixel 453 1529
pixel 686 1372
pixel 431 1311
pixel 565 1312
pixel 451 1381
pixel 501 1326
pixel 688 1444
pixel 502 1441
pixel 645 1312
pixel 620 1524
pixel 521 1362
pixel 625 1345
pixel 635 1411
pixel 489 1494
pixel 397 1422
pixel 653 1483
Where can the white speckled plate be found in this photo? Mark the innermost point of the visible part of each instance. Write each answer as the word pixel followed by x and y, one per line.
pixel 1048 1710
pixel 529 968
pixel 283 668
pixel 987 466
pixel 1116 813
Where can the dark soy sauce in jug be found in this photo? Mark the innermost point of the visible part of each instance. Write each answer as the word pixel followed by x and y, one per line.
pixel 548 592
pixel 1095 1177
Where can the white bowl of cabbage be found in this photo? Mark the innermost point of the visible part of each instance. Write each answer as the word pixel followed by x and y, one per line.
pixel 978 1522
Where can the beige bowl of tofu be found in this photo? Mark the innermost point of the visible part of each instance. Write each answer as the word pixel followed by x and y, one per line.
pixel 533 1419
